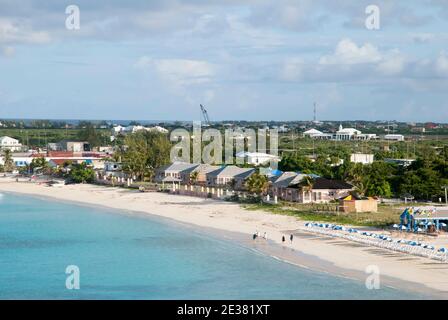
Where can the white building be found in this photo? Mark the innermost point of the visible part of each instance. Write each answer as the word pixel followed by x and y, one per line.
pixel 394 137
pixel 158 129
pixel 346 133
pixel 117 129
pixel 312 133
pixel 342 134
pixel 133 129
pixel 363 158
pixel 19 159
pixel 10 143
pixel 257 158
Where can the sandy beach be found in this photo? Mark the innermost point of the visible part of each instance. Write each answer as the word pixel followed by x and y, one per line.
pixel 318 252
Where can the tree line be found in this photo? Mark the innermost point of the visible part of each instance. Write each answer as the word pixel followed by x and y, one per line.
pixel 424 179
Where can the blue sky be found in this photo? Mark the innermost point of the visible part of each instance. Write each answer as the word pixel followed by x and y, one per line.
pixel 248 60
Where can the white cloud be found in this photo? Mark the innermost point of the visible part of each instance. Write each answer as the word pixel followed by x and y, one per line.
pixel 179 72
pixel 392 63
pixel 441 64
pixel 348 52
pixel 18 33
pixel 183 72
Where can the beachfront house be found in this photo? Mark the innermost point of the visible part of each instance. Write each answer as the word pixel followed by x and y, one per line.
pixel 279 186
pixel 303 188
pixel 20 159
pixel 10 144
pixel 198 174
pixel 230 176
pixel 173 172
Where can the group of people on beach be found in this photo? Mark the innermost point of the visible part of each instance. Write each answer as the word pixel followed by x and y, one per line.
pixel 291 238
pixel 265 237
pixel 257 235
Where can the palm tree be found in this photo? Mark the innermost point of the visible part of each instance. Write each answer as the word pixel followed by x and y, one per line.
pixel 194 177
pixel 356 177
pixel 307 183
pixel 7 159
pixel 257 183
pixel 39 164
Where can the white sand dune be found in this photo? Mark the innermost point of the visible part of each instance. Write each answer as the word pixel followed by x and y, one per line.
pixel 338 253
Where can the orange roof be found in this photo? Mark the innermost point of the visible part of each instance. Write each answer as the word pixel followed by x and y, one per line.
pixel 60 154
pixel 59 162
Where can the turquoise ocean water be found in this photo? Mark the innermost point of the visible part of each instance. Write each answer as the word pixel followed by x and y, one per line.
pixel 133 257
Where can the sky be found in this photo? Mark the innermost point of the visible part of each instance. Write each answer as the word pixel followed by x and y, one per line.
pixel 243 60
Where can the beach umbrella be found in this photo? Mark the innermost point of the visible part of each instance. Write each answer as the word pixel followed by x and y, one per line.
pixel 442 250
pixel 396 226
pixel 404 228
pixel 443 224
pixel 419 229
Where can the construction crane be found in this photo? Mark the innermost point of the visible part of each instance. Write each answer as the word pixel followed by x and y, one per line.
pixel 205 115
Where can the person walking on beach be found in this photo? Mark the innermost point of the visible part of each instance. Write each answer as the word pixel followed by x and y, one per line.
pixel 265 236
pixel 291 237
pixel 254 237
pixel 283 239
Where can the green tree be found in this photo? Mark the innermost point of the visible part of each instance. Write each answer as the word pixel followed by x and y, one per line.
pixel 194 177
pixel 143 152
pixel 81 173
pixel 90 134
pixel 135 157
pixel 39 164
pixel 159 147
pixel 8 163
pixel 257 183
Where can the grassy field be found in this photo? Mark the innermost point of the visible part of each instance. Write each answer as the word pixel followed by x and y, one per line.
pixel 408 148
pixel 386 216
pixel 40 137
